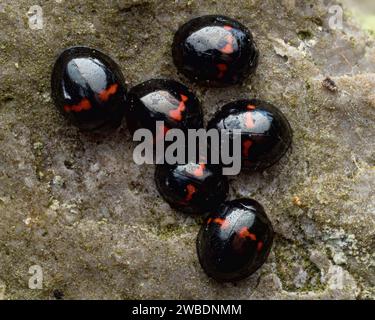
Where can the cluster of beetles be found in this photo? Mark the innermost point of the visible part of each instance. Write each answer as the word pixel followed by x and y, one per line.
pixel 214 51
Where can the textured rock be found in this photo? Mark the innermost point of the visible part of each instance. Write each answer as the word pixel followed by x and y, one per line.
pixel 78 206
pixel 2 290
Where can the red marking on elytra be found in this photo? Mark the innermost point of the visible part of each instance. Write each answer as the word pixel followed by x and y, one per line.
pixel 222 69
pixel 259 246
pixel 228 48
pixel 199 171
pixel 249 120
pixel 209 220
pixel 228 28
pixel 165 130
pixel 246 145
pixel 190 192
pixel 107 93
pixel 184 98
pixel 176 114
pixel 85 104
pixel 250 107
pixel 223 223
pixel 244 233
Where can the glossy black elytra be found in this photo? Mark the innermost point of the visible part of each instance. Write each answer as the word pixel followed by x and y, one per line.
pixel 88 88
pixel 215 50
pixel 192 188
pixel 163 100
pixel 266 134
pixel 235 241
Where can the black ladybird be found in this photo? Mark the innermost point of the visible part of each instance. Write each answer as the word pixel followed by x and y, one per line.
pixel 88 88
pixel 191 188
pixel 266 134
pixel 215 50
pixel 163 100
pixel 235 241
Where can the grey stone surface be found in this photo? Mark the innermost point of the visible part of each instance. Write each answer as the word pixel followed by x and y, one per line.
pixel 78 206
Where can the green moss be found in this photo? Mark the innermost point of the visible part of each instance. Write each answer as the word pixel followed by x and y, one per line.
pixel 168 232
